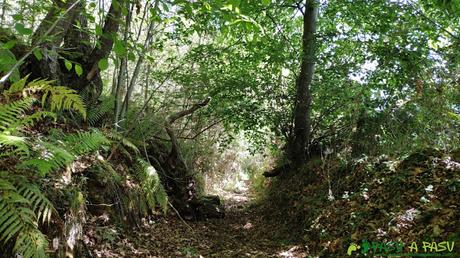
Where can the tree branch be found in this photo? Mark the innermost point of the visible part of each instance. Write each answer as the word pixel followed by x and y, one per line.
pixel 112 23
pixel 186 112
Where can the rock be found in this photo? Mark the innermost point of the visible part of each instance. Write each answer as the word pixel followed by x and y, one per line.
pixel 208 207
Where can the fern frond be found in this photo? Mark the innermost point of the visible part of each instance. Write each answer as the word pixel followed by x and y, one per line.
pixel 41 205
pixel 17 143
pixel 31 243
pixel 59 97
pixel 125 142
pixel 85 142
pixel 63 152
pixel 53 159
pixel 63 98
pixel 95 114
pixel 151 185
pixel 31 120
pixel 17 217
pixel 10 113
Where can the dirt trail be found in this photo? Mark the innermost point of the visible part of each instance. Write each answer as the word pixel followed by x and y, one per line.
pixel 242 233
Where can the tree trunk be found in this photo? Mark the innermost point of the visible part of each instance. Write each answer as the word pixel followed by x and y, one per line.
pixel 2 18
pixel 178 178
pixel 302 108
pixel 140 61
pixel 57 28
pixel 122 74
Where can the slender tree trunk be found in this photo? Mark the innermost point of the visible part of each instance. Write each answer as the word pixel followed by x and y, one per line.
pixel 120 88
pixel 298 154
pixel 121 82
pixel 140 61
pixel 4 6
pixel 146 84
pixel 113 91
pixel 136 72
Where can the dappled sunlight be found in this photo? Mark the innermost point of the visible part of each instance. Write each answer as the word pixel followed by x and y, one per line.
pixel 293 252
pixel 229 128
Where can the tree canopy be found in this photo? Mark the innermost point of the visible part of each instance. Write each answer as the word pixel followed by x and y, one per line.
pixel 146 104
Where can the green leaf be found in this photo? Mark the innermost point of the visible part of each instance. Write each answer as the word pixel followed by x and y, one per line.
pixel 7 61
pixel 103 64
pixel 22 30
pixel 235 3
pixel 17 86
pixel 131 56
pixel 99 30
pixel 17 17
pixel 124 10
pixel 78 69
pixel 10 44
pixel 266 2
pixel 38 54
pixel 68 65
pixel 119 48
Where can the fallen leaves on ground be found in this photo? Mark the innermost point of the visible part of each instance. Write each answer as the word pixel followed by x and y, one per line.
pixel 242 233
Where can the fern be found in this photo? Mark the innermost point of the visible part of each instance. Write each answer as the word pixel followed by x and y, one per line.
pixel 21 207
pixel 58 97
pixel 11 113
pixel 62 98
pixel 31 120
pixel 22 204
pixel 85 142
pixel 120 139
pixel 18 143
pixel 95 114
pixel 61 153
pixel 151 185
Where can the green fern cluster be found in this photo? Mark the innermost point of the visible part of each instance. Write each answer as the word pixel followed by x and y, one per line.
pixel 60 153
pixel 123 141
pixel 15 115
pixel 57 98
pixel 97 113
pixel 151 185
pixel 22 206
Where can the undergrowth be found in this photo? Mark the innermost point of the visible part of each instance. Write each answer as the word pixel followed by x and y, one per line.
pixel 411 198
pixel 31 157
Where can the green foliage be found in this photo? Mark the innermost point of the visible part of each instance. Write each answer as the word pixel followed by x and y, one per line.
pixel 10 113
pixel 22 206
pixel 57 98
pixel 18 114
pixel 151 185
pixel 60 97
pixel 78 70
pixel 103 64
pixel 63 150
pixel 7 61
pixel 119 139
pixel 97 113
pixel 85 142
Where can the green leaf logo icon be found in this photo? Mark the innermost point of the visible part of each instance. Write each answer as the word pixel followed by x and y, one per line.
pixel 352 248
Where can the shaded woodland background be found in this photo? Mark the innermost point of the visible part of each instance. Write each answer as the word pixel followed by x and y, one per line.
pixel 339 118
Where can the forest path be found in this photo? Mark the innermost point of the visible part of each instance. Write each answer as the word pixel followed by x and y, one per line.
pixel 242 233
